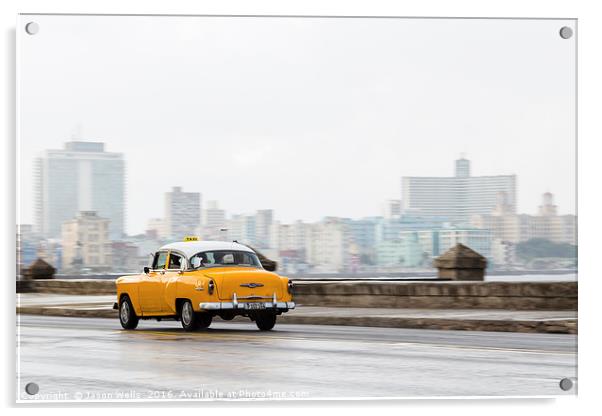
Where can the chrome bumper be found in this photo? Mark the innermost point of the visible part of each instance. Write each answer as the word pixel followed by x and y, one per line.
pixel 243 306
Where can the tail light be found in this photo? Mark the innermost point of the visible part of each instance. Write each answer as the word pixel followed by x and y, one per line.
pixel 290 287
pixel 210 287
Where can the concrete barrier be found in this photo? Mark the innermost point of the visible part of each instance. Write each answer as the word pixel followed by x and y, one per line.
pixel 68 287
pixel 416 295
pixel 440 295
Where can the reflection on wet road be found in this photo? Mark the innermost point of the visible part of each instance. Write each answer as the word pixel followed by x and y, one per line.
pixel 94 359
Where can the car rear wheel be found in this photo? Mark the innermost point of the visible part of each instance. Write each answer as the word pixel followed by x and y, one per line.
pixel 204 320
pixel 265 322
pixel 188 317
pixel 127 315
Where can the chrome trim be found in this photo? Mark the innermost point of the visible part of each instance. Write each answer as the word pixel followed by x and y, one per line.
pixel 216 306
pixel 254 297
pixel 251 285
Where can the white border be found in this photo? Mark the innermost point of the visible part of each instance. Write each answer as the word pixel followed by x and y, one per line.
pixel 590 93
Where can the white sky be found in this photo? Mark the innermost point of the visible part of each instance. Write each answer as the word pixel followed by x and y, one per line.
pixel 310 117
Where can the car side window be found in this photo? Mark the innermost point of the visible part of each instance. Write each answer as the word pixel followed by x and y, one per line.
pixel 159 260
pixel 175 261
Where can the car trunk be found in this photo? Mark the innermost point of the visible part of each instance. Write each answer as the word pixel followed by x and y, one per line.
pixel 246 283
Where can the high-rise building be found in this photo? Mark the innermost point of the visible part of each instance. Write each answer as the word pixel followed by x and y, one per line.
pixel 435 242
pixel 214 221
pixel 505 225
pixel 264 218
pixel 392 209
pixel 363 235
pixel 213 216
pixel 462 168
pixel 86 242
pixel 80 177
pixel 458 197
pixel 287 246
pixel 241 228
pixel 182 213
pixel 155 228
pixel 328 245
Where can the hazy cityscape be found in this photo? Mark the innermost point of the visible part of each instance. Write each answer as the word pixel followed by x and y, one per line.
pixel 80 221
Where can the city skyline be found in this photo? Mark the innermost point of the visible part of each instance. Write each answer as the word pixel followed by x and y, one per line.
pixel 462 171
pixel 325 138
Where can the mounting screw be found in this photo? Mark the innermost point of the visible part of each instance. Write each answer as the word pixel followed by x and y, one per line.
pixel 32 28
pixel 566 384
pixel 566 32
pixel 32 388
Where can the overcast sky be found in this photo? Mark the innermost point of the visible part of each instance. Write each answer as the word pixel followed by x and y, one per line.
pixel 310 117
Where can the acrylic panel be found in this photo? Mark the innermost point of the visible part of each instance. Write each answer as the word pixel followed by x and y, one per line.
pixel 295 207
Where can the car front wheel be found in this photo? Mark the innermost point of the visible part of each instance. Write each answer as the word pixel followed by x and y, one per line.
pixel 127 315
pixel 265 322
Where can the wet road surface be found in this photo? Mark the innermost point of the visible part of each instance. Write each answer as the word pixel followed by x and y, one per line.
pixel 94 359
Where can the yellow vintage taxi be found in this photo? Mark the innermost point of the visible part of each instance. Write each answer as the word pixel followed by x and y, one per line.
pixel 195 281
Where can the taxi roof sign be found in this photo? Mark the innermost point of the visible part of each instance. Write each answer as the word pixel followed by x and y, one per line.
pixel 191 238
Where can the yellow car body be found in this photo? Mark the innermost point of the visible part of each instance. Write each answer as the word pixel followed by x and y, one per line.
pixel 195 281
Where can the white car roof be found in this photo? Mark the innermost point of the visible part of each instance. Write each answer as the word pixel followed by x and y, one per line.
pixel 190 248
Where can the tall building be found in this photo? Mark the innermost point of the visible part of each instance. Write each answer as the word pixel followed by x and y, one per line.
pixel 213 216
pixel 155 228
pixel 328 245
pixel 507 226
pixel 462 168
pixel 86 242
pixel 433 243
pixel 363 235
pixel 288 237
pixel 80 177
pixel 458 197
pixel 392 209
pixel 264 218
pixel 242 229
pixel 182 213
pixel 287 242
pixel 214 221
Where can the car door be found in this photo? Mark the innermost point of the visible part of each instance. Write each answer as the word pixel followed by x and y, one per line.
pixel 151 287
pixel 176 264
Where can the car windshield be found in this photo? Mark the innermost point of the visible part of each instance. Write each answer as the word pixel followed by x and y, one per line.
pixel 220 258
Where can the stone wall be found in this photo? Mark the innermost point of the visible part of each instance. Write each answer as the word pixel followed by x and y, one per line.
pixel 428 295
pixel 440 295
pixel 69 287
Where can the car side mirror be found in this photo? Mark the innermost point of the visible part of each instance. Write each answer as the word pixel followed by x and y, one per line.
pixel 146 270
